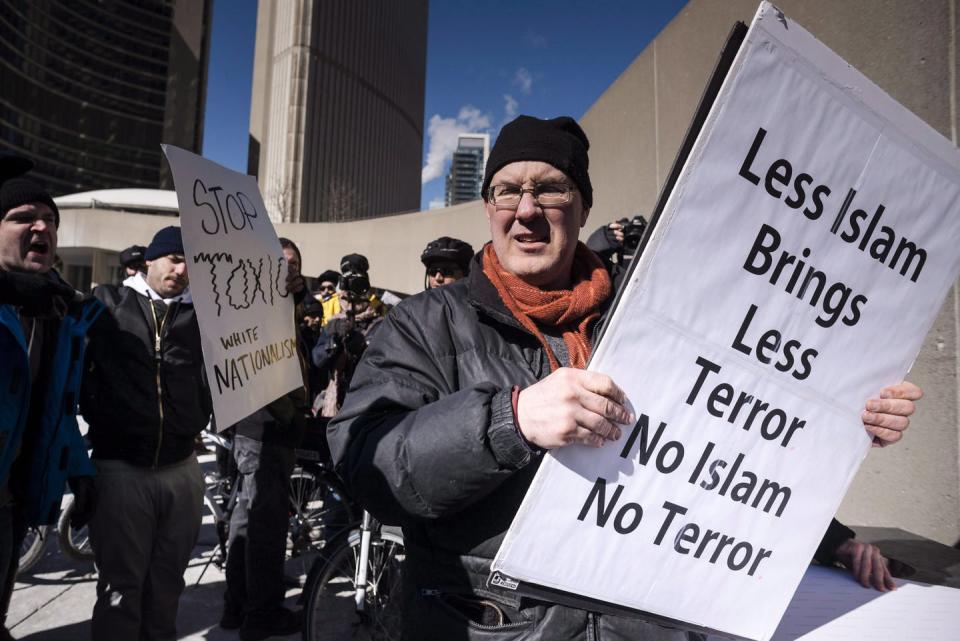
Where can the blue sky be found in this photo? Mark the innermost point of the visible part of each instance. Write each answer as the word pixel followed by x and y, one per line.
pixel 486 62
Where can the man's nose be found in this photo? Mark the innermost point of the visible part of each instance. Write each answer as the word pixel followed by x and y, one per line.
pixel 528 207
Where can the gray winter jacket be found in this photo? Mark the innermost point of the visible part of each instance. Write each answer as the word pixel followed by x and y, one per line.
pixel 426 438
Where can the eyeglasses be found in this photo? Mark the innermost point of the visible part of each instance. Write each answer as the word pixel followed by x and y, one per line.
pixel 553 194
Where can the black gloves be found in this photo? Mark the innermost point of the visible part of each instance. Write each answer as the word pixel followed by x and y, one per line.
pixel 84 500
pixel 35 294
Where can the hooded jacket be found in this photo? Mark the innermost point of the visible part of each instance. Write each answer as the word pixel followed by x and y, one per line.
pixel 145 393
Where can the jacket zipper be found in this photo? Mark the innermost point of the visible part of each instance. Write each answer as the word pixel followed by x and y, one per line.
pixel 158 357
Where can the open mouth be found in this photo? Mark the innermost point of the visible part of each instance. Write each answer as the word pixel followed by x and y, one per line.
pixel 38 247
pixel 529 239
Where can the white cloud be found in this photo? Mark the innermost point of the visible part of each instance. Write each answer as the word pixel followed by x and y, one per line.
pixel 510 107
pixel 443 134
pixel 523 79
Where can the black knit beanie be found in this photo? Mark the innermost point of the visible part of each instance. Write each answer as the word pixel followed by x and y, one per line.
pixel 329 276
pixel 23 191
pixel 559 142
pixel 167 241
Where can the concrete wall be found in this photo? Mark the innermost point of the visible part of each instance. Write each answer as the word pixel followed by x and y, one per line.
pixel 908 49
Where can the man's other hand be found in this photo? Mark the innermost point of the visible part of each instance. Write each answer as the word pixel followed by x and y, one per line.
pixel 867 565
pixel 886 417
pixel 572 406
pixel 84 500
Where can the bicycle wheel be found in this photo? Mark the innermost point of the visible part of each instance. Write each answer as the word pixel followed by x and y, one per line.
pixel 32 548
pixel 317 514
pixel 74 542
pixel 329 607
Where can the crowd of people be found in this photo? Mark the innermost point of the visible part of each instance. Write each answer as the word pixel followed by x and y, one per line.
pixel 437 408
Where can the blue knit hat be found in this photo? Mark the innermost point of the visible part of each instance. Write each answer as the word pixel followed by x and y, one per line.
pixel 165 242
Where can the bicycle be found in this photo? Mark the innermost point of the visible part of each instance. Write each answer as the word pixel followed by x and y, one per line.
pixel 74 542
pixel 32 547
pixel 356 582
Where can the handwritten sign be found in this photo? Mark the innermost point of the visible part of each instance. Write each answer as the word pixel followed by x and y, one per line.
pixel 795 271
pixel 238 282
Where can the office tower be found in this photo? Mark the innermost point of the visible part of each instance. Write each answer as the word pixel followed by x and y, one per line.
pixel 336 120
pixel 466 168
pixel 91 88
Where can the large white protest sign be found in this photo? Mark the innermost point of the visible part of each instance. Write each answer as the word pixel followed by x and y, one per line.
pixel 797 266
pixel 238 283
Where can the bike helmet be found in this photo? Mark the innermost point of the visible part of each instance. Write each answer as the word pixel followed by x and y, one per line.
pixel 449 249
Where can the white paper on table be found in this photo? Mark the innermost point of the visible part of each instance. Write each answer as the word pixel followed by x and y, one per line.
pixel 830 606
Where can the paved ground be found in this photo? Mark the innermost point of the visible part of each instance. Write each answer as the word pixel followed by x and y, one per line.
pixel 54 600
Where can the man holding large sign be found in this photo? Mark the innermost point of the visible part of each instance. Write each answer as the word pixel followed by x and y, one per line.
pixel 796 268
pixel 445 424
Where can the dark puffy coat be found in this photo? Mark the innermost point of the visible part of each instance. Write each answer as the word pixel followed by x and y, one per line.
pixel 426 438
pixel 129 419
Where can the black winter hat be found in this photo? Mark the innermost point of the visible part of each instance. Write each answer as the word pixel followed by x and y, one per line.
pixel 559 141
pixel 12 165
pixel 168 240
pixel 329 276
pixel 132 256
pixel 22 191
pixel 354 263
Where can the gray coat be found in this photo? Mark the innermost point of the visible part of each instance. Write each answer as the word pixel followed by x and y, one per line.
pixel 426 439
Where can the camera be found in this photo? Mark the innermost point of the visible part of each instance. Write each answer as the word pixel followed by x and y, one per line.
pixel 633 233
pixel 356 285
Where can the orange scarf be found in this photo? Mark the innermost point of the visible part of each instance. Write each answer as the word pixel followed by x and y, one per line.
pixel 569 310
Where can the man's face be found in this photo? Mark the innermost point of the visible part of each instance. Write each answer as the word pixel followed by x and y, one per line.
pixel 326 290
pixel 167 275
pixel 536 243
pixel 293 263
pixel 28 239
pixel 442 273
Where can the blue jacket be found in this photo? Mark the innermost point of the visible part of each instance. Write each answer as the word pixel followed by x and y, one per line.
pixel 60 452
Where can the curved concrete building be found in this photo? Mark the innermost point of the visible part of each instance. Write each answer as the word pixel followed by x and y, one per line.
pixel 336 120
pixel 91 89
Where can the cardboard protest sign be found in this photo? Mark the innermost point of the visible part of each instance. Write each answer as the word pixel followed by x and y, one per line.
pixel 238 283
pixel 798 264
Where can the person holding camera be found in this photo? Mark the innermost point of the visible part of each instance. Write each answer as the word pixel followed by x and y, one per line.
pixel 617 244
pixel 346 333
pixel 353 284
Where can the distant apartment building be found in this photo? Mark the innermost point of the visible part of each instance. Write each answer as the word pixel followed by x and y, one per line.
pixel 92 88
pixel 336 119
pixel 466 168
